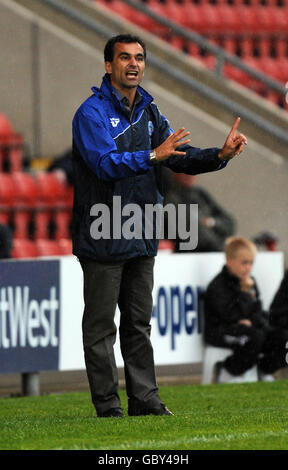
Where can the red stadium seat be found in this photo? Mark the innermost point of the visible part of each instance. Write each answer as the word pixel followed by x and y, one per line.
pixel 191 17
pixel 211 18
pixel 65 245
pixel 280 18
pixel 62 220
pixel 271 67
pixel 282 65
pixel 247 19
pixel 281 47
pixel 47 247
pixel 246 47
pixel 24 248
pixel 7 197
pixel 264 47
pixel 51 192
pixel 26 189
pixel 166 246
pixel 53 207
pixel 11 146
pixel 229 19
pixel 230 45
pixel 25 201
pixel 266 19
pixel 236 74
pixel 6 129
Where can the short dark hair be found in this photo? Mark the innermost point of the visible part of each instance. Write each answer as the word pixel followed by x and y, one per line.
pixel 124 38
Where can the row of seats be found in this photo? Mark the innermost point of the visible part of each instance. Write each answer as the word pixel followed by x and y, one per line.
pixel 242 46
pixel 32 204
pixel 26 248
pixel 210 19
pixel 222 18
pixel 263 29
pixel 11 146
pixel 37 207
pixel 275 69
pixel 274 3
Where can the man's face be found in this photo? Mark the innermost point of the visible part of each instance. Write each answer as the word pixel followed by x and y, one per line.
pixel 241 264
pixel 127 68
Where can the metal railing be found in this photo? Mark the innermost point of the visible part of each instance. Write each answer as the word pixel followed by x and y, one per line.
pixel 221 54
pixel 259 122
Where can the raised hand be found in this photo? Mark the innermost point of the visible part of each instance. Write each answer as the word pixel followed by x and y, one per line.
pixel 234 143
pixel 170 145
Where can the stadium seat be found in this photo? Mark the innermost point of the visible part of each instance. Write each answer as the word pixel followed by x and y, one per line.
pixel 24 248
pixel 46 247
pixel 271 67
pixel 248 19
pixel 211 356
pixel 280 18
pixel 281 47
pixel 193 49
pixel 246 47
pixel 229 19
pixel 254 84
pixel 178 42
pixel 166 246
pixel 25 200
pixel 11 146
pixel 192 17
pixel 7 197
pixel 6 129
pixel 210 61
pixel 266 19
pixel 65 245
pixel 236 74
pixel 230 45
pixel 51 192
pixel 62 221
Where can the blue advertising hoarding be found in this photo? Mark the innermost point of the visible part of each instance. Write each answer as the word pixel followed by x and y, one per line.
pixel 29 315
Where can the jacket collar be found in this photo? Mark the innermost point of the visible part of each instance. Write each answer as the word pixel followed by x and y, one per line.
pixel 107 90
pixel 230 277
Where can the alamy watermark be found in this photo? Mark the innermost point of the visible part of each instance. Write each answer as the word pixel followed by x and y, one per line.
pixel 132 221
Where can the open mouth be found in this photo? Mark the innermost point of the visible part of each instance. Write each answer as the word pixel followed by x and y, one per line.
pixel 132 74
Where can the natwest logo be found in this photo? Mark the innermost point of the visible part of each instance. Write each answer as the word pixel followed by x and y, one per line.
pixel 26 321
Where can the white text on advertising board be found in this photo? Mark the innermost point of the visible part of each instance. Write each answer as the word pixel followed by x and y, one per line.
pixel 25 321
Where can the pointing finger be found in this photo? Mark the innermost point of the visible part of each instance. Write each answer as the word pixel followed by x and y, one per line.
pixel 234 127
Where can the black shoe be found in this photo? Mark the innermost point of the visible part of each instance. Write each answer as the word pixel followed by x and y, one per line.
pixel 142 410
pixel 111 413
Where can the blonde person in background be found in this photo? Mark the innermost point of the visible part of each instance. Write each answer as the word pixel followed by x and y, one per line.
pixel 234 318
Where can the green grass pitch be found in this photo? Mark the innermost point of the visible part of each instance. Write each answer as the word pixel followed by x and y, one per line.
pixel 207 417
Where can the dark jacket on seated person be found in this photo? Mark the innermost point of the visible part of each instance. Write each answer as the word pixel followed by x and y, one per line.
pixel 225 304
pixel 279 306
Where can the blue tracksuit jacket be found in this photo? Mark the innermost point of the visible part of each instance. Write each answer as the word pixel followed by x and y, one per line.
pixel 111 163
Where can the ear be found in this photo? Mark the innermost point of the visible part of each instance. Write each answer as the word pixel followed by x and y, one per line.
pixel 108 67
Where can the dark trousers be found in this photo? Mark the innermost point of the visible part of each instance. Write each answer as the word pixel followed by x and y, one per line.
pixel 128 284
pixel 265 347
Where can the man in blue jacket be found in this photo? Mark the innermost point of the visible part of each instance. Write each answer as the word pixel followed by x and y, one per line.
pixel 120 144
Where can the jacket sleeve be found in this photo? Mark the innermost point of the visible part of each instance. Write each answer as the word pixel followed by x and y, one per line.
pixel 99 151
pixel 195 161
pixel 279 306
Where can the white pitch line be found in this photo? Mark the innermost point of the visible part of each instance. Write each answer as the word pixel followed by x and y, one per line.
pixel 197 439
